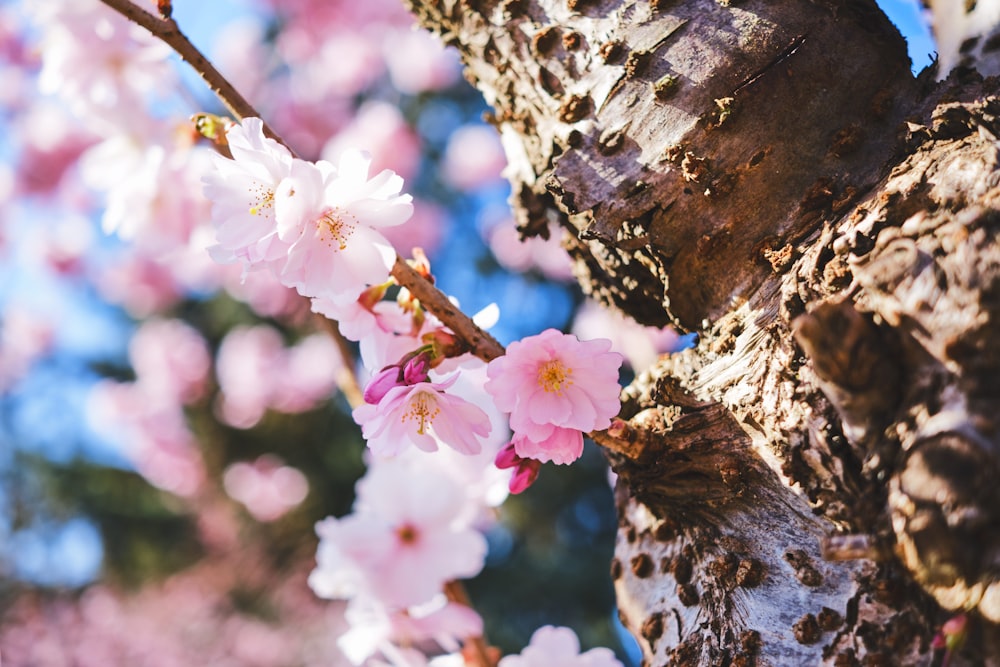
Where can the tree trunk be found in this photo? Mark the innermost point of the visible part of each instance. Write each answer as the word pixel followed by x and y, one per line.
pixel 817 481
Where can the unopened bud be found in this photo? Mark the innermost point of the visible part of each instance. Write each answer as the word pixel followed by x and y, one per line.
pixel 507 457
pixel 212 127
pixel 380 384
pixel 525 475
pixel 415 370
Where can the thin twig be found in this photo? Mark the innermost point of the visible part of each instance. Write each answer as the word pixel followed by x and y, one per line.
pixel 455 591
pixel 348 382
pixel 480 343
pixel 166 30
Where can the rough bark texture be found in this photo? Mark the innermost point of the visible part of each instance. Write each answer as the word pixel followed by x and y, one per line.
pixel 817 481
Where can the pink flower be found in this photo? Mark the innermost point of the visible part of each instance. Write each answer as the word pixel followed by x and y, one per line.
pixel 474 157
pixel 422 414
pixel 102 65
pixel 329 218
pixel 242 192
pixel 553 382
pixel 525 469
pixel 559 647
pixel 404 541
pixel 266 487
pixel 561 446
pixel 171 360
pixel 373 628
pixel 382 130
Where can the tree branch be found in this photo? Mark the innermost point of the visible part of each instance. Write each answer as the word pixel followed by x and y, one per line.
pixel 480 343
pixel 166 30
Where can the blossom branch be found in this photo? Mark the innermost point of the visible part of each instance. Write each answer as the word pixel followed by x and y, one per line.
pixel 481 651
pixel 167 30
pixel 480 343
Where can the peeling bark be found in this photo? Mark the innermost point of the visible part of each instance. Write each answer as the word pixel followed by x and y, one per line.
pixel 815 482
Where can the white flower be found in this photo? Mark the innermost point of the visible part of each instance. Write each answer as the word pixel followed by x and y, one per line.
pixel 329 217
pixel 404 541
pixel 559 647
pixel 242 192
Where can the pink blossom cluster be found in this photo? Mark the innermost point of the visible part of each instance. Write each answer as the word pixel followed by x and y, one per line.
pixel 25 336
pixel 145 417
pixel 314 225
pixel 411 532
pixel 555 387
pixel 435 417
pixel 189 618
pixel 256 372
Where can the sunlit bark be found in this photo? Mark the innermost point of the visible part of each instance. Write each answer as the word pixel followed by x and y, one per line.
pixel 815 482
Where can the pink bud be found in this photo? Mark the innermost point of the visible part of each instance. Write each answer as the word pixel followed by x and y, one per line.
pixel 381 383
pixel 525 475
pixel 955 625
pixel 507 457
pixel 415 370
pixel 619 429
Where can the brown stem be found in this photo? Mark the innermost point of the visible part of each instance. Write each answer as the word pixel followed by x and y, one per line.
pixel 481 343
pixel 477 647
pixel 348 381
pixel 166 29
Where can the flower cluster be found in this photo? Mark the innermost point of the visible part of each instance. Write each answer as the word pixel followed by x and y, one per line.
pixel 313 224
pixel 435 417
pixel 555 388
pixel 410 534
pixel 316 227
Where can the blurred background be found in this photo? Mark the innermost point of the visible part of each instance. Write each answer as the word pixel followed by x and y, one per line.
pixel 158 484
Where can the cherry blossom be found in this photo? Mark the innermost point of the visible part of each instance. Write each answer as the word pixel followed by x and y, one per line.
pixel 153 434
pixel 560 445
pixel 25 336
pixel 474 157
pixel 266 487
pixel 328 216
pixel 422 414
pixel 170 359
pixel 256 372
pixel 552 382
pixel 525 469
pixel 380 129
pixel 242 192
pixel 99 62
pixel 559 647
pixel 641 345
pixel 375 628
pixel 404 540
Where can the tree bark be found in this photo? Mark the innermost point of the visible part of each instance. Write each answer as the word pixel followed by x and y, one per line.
pixel 816 481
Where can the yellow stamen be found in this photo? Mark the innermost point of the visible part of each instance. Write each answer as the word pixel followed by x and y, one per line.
pixel 335 226
pixel 263 199
pixel 423 408
pixel 554 377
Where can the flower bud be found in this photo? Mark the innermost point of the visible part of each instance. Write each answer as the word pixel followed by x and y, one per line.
pixel 415 370
pixel 525 475
pixel 507 457
pixel 381 383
